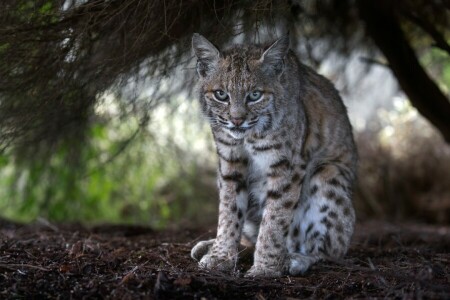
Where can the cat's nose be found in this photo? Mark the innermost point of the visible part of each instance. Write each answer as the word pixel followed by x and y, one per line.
pixel 237 121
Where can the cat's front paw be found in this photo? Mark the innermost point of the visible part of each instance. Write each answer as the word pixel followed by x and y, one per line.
pixel 260 271
pixel 215 262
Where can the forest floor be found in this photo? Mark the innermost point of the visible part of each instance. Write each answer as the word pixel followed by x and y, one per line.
pixel 43 260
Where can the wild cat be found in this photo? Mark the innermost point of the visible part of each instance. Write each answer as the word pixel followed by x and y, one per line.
pixel 287 159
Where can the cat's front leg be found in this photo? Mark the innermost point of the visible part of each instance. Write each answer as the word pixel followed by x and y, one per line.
pixel 232 208
pixel 271 257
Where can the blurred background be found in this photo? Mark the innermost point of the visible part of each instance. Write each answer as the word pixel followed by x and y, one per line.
pixel 99 120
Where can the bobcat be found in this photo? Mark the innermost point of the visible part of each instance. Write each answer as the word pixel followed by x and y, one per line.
pixel 287 159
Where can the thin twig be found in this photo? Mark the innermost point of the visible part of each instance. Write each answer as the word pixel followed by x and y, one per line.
pixel 15 266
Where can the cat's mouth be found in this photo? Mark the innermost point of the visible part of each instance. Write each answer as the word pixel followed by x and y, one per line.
pixel 238 132
pixel 239 129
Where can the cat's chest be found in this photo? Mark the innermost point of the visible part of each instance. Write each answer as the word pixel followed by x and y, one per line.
pixel 260 160
pixel 259 166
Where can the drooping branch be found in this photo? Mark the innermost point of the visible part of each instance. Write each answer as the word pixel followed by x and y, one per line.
pixel 422 91
pixel 55 62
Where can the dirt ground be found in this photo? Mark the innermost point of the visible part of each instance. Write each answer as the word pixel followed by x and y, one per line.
pixel 42 260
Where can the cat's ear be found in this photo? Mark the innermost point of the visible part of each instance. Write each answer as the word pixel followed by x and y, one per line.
pixel 207 54
pixel 273 58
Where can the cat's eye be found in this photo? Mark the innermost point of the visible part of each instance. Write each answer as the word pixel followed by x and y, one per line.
pixel 220 95
pixel 254 96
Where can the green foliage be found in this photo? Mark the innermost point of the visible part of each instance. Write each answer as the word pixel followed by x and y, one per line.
pixel 35 12
pixel 437 63
pixel 4 47
pixel 119 176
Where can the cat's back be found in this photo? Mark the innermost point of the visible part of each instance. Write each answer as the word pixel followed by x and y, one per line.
pixel 328 125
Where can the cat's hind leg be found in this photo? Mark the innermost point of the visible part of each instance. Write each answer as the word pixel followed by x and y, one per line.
pixel 323 223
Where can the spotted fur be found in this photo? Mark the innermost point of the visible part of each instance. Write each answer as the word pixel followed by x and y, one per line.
pixel 287 160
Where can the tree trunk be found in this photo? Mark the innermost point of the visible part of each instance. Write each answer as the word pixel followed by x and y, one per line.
pixel 383 27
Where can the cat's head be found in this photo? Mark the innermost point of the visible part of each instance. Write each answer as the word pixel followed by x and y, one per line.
pixel 239 86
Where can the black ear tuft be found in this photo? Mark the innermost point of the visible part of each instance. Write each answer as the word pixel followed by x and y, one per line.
pixel 207 54
pixel 273 58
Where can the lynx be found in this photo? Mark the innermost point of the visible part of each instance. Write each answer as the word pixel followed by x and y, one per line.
pixel 287 159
